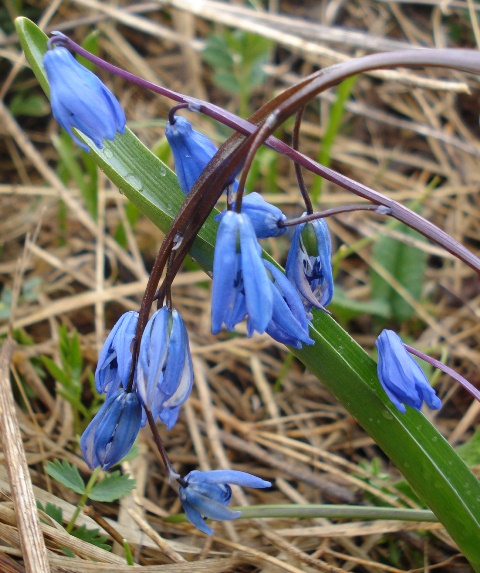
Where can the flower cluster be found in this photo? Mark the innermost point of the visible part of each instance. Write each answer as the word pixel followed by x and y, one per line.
pixel 245 285
pixel 160 383
pixel 146 372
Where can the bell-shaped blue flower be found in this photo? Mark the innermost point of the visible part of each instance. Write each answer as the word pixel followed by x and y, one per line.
pixel 401 377
pixel 115 360
pixel 110 435
pixel 263 216
pixel 79 99
pixel 240 282
pixel 191 151
pixel 206 495
pixel 164 371
pixel 309 265
pixel 289 324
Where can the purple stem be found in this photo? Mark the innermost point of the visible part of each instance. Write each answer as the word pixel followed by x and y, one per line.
pixel 172 474
pixel 379 210
pixel 458 377
pixel 438 58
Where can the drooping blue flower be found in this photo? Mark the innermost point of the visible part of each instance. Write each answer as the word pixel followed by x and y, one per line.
pixel 240 282
pixel 401 377
pixel 207 495
pixel 164 371
pixel 309 265
pixel 110 435
pixel 79 99
pixel 115 360
pixel 191 151
pixel 263 216
pixel 289 324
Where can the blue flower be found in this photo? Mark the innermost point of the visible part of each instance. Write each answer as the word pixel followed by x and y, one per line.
pixel 240 282
pixel 263 216
pixel 115 360
pixel 79 99
pixel 191 151
pixel 206 494
pixel 164 371
pixel 110 435
pixel 401 377
pixel 309 265
pixel 289 323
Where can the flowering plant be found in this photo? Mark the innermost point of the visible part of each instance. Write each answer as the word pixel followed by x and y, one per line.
pixel 326 349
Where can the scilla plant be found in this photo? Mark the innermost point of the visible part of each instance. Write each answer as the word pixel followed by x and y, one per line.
pixel 145 367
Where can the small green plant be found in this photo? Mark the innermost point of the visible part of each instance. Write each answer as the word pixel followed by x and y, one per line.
pixel 70 376
pixel 112 487
pixel 237 59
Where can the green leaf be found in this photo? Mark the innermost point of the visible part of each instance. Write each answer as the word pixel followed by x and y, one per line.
pixel 53 511
pixel 470 451
pixel 420 452
pixel 33 105
pixel 112 487
pixel 67 474
pixel 407 265
pixel 345 308
pixel 91 536
pixel 55 371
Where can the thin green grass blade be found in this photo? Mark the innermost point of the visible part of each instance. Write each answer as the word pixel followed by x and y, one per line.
pixel 432 467
pixel 344 91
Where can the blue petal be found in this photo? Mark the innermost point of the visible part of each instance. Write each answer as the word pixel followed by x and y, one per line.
pixel 115 360
pixel 288 316
pixel 234 477
pixel 118 429
pixel 224 269
pixel 207 507
pixel 193 515
pixel 258 293
pixel 185 380
pixel 219 492
pixel 87 441
pixel 152 356
pixel 122 344
pixel 174 367
pixel 237 310
pixel 169 416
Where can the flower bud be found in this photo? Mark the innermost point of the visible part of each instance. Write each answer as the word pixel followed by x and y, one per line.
pixel 191 151
pixel 263 216
pixel 79 99
pixel 401 377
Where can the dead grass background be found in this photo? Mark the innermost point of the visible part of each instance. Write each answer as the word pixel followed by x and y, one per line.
pixel 404 128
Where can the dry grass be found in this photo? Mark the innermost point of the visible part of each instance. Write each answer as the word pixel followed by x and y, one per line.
pixel 404 129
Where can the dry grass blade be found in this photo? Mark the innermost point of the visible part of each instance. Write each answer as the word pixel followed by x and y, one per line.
pixel 31 540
